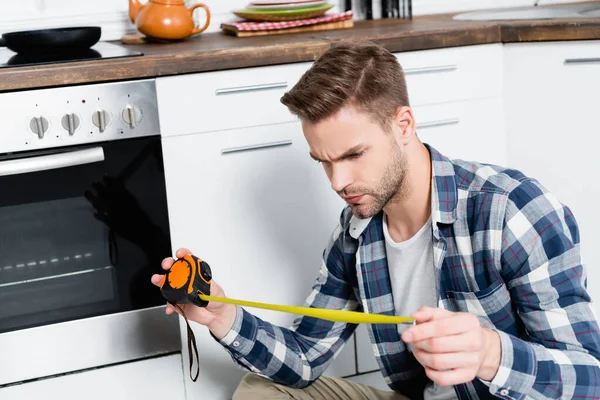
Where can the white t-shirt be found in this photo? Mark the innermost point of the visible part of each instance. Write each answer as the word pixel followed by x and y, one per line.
pixel 414 284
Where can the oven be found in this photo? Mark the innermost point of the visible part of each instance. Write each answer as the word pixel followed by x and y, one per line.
pixel 83 226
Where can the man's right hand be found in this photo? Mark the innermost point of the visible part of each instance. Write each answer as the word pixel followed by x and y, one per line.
pixel 218 317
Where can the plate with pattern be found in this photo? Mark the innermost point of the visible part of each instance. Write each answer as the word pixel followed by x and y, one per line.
pixel 293 6
pixel 278 2
pixel 282 15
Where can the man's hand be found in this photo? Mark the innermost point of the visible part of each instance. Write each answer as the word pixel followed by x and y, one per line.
pixel 218 317
pixel 453 347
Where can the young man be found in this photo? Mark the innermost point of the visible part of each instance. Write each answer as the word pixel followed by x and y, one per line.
pixel 484 258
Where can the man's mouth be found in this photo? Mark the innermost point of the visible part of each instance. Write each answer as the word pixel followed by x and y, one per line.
pixel 354 199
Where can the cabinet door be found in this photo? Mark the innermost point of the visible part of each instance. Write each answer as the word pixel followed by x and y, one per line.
pixel 154 379
pixel 470 130
pixel 259 210
pixel 365 356
pixel 552 108
pixel 373 379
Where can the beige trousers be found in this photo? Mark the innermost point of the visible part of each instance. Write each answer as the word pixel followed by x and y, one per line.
pixel 254 387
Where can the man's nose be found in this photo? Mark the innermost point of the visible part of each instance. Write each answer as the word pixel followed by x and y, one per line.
pixel 340 177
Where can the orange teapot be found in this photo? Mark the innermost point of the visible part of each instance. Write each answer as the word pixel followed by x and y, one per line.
pixel 166 19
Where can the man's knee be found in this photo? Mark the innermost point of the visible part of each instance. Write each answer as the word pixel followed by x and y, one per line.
pixel 253 387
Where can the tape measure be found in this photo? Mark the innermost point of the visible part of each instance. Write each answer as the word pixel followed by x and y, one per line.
pixel 188 282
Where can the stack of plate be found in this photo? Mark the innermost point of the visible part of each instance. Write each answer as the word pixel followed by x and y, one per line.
pixel 283 10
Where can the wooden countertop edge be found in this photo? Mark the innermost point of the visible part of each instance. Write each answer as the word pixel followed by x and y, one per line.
pixel 425 33
pixel 155 65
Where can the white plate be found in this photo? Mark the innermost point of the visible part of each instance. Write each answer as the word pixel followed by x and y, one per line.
pixel 277 2
pixel 286 6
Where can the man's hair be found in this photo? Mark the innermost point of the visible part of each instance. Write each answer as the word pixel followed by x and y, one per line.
pixel 364 76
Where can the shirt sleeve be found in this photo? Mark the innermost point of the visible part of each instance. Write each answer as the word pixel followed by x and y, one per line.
pixel 548 285
pixel 298 355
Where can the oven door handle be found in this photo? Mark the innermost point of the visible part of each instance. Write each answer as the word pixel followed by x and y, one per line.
pixel 52 161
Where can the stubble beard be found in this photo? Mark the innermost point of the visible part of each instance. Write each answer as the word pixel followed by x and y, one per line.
pixel 393 188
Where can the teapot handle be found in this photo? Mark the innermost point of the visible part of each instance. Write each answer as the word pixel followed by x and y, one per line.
pixel 198 30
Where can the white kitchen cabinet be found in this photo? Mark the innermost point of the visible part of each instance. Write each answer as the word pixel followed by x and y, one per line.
pixel 552 123
pixel 230 99
pixel 470 130
pixel 453 74
pixel 365 356
pixel 153 379
pixel 259 210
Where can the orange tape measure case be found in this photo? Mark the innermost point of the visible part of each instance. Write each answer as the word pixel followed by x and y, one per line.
pixel 185 280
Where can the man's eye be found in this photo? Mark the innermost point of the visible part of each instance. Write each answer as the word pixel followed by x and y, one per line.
pixel 356 155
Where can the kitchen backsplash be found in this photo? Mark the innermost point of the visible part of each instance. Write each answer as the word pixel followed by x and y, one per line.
pixel 111 15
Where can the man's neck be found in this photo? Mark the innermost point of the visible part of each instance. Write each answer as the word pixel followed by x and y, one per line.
pixel 407 216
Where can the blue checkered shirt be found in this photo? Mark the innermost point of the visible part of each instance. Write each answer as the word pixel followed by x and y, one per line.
pixel 505 250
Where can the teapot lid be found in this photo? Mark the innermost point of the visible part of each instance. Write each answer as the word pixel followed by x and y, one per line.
pixel 169 2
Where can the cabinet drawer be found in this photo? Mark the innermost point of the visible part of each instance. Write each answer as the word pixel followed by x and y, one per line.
pixel 224 100
pixel 453 74
pixel 469 130
pixel 156 378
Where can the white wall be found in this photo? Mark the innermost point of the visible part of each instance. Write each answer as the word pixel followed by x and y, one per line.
pixel 112 16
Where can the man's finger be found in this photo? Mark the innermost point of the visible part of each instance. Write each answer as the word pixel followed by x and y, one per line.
pixel 446 361
pixel 182 252
pixel 451 377
pixel 156 279
pixel 167 263
pixel 448 344
pixel 455 325
pixel 429 313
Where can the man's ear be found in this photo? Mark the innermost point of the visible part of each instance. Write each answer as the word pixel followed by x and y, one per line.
pixel 404 125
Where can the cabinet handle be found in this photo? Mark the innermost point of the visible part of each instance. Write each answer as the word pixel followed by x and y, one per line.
pixel 582 60
pixel 428 70
pixel 441 122
pixel 252 88
pixel 256 147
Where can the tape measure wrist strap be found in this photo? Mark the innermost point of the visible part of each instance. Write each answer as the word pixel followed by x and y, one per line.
pixel 192 347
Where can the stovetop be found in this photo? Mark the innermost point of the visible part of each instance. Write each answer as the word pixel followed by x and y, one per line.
pixel 100 51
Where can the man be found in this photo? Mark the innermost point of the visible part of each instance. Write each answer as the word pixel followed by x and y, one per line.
pixel 483 257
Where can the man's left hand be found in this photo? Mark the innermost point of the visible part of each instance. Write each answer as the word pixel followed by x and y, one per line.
pixel 453 347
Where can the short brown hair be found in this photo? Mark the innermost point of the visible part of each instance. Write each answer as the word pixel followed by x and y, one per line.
pixel 362 75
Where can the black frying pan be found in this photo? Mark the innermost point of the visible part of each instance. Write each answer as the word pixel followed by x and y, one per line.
pixel 59 40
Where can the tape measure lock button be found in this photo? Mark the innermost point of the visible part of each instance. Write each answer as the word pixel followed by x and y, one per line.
pixel 205 271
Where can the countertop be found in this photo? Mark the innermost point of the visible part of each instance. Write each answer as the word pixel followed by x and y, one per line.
pixel 217 51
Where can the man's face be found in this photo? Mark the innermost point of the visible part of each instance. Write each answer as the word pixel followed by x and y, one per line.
pixel 365 164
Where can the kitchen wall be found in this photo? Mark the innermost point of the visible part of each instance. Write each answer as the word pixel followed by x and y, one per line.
pixel 111 15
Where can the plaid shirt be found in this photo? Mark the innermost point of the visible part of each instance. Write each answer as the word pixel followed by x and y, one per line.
pixel 505 250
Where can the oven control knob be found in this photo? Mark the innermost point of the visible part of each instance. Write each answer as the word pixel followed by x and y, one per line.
pixel 132 115
pixel 101 119
pixel 39 126
pixel 70 122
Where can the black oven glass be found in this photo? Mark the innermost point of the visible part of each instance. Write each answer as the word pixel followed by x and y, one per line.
pixel 82 241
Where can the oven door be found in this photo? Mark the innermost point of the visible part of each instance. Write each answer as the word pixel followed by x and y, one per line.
pixel 82 229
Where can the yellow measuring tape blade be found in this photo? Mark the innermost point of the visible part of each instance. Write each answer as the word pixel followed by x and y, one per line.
pixel 352 317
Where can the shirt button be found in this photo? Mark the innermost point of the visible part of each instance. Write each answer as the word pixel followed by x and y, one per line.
pixel 236 344
pixel 504 392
